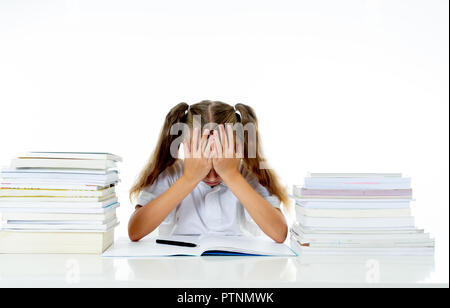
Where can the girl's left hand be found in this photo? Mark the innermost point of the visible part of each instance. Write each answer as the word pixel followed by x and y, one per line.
pixel 225 157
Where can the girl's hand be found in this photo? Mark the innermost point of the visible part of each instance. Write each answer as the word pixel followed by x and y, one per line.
pixel 225 159
pixel 197 161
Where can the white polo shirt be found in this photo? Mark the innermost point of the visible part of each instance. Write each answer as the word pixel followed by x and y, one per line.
pixel 206 210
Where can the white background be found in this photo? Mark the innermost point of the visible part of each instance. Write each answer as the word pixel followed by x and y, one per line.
pixel 338 86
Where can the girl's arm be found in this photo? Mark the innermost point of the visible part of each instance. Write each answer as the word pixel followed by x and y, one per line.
pixel 146 218
pixel 269 219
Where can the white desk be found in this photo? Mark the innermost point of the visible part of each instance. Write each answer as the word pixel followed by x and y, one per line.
pixel 214 271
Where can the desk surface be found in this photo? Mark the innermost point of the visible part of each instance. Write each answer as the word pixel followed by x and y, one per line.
pixel 26 270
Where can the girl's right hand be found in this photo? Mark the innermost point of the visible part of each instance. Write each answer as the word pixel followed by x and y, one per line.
pixel 197 156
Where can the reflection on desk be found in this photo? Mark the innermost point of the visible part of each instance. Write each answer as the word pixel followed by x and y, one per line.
pixel 214 268
pixel 362 269
pixel 210 271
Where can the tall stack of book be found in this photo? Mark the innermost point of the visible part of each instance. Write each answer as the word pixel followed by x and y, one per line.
pixel 59 202
pixel 356 213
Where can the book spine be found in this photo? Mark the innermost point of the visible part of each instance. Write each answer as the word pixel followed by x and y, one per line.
pixel 54 193
pixel 354 192
pixel 357 183
pixel 55 163
pixel 353 213
pixel 356 222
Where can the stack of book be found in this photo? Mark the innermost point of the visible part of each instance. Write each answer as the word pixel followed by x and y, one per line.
pixel 350 213
pixel 58 202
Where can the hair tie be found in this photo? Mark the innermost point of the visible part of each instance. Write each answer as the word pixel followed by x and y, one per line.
pixel 187 110
pixel 238 114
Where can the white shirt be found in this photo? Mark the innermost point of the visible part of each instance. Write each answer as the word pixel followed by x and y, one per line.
pixel 206 209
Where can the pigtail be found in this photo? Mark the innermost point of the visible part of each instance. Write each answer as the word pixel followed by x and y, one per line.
pixel 247 115
pixel 161 157
pixel 267 177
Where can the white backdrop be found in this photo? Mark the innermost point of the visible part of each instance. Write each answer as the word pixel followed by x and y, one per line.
pixel 349 86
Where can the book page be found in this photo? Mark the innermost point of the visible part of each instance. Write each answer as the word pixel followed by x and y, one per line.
pixel 147 247
pixel 244 244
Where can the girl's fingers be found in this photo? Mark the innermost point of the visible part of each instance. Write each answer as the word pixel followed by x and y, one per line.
pixel 218 146
pixel 187 152
pixel 208 148
pixel 223 137
pixel 204 140
pixel 239 149
pixel 213 153
pixel 194 145
pixel 230 140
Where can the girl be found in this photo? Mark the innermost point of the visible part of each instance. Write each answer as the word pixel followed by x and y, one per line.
pixel 212 190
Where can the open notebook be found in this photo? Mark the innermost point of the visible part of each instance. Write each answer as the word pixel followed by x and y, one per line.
pixel 204 245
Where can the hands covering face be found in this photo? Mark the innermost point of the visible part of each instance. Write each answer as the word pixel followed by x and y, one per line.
pixel 218 151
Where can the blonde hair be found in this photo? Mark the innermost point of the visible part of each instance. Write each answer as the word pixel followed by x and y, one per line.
pixel 209 112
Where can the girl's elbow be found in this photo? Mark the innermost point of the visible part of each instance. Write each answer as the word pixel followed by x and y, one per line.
pixel 132 232
pixel 137 231
pixel 281 237
pixel 134 237
pixel 280 240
